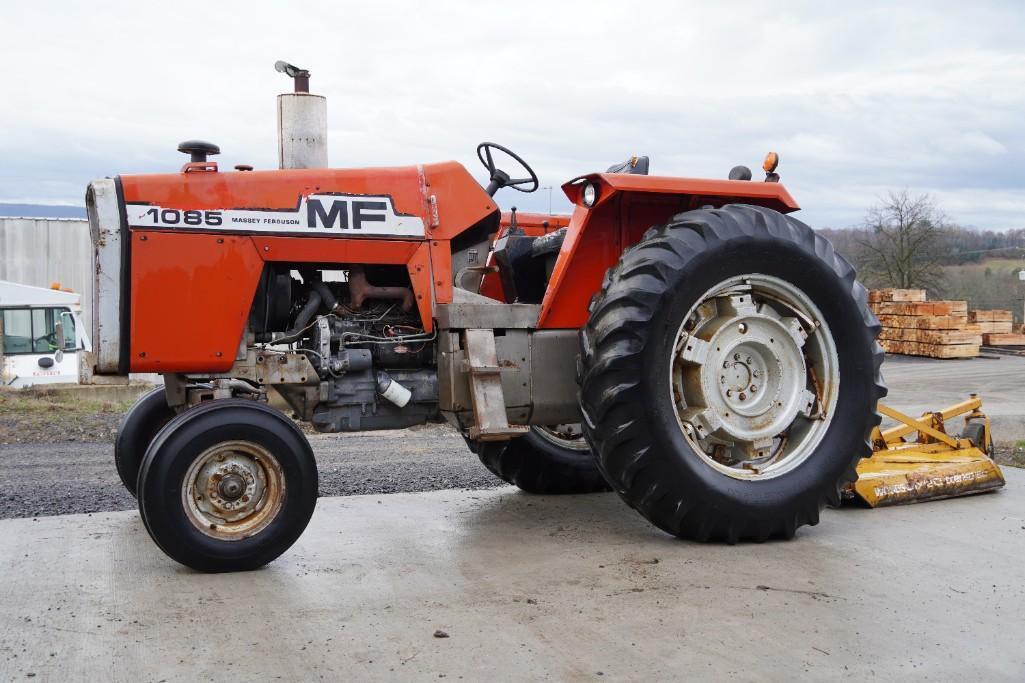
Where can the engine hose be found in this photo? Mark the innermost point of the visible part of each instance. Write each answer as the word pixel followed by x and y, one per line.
pixel 302 320
pixel 326 295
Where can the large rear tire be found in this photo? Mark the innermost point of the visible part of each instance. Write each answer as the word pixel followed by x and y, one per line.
pixel 227 486
pixel 547 460
pixel 729 375
pixel 138 427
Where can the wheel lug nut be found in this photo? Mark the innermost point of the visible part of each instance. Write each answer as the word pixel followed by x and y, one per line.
pixel 748 360
pixel 722 380
pixel 742 327
pixel 729 393
pixel 754 388
pixel 743 396
pixel 726 364
pixel 736 356
pixel 754 374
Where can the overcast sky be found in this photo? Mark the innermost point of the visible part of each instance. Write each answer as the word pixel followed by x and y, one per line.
pixel 857 98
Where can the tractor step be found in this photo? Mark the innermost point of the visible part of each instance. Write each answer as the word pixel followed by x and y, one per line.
pixel 490 422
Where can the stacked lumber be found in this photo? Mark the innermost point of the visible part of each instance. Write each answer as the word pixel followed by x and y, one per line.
pixel 1000 339
pixel 993 321
pixel 914 326
pixel 997 327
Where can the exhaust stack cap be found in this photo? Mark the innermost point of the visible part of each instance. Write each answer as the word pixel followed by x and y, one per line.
pixel 300 76
pixel 198 149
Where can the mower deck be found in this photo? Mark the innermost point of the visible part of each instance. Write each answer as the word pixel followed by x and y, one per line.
pixel 934 466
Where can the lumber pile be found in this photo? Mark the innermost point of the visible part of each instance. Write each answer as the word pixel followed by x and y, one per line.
pixel 914 326
pixel 1001 339
pixel 997 327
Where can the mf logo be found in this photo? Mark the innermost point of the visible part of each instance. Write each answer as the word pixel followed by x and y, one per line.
pixel 345 214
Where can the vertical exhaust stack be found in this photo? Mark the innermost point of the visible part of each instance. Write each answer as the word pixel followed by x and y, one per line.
pixel 302 122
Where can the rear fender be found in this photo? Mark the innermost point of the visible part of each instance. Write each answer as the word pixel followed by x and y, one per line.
pixel 626 206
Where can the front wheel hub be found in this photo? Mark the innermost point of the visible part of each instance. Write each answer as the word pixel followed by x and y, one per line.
pixel 233 490
pixel 232 487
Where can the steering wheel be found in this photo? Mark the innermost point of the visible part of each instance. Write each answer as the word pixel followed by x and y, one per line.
pixel 49 339
pixel 500 178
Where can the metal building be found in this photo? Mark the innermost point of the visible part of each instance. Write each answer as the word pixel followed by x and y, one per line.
pixel 41 251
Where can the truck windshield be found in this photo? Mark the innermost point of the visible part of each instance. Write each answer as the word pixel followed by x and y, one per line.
pixel 35 330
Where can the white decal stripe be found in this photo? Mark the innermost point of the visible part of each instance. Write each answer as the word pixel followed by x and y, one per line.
pixel 316 215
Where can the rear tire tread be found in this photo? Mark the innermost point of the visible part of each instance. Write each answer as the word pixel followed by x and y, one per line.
pixel 613 339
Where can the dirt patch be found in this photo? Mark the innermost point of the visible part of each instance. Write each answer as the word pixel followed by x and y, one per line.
pixel 57 417
pixel 1011 455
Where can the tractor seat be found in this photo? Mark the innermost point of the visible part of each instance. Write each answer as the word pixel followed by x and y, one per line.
pixel 633 166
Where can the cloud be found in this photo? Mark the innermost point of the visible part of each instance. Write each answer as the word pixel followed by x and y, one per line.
pixel 856 99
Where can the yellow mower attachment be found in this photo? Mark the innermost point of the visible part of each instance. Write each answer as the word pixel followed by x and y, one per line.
pixel 935 465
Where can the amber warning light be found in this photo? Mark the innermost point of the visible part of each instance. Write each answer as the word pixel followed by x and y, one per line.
pixel 769 166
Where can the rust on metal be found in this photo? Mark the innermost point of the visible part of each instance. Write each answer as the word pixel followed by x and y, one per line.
pixel 360 290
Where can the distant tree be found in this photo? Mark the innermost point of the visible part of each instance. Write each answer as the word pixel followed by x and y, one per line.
pixel 904 241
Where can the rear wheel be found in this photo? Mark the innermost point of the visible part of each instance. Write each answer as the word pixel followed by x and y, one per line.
pixel 138 427
pixel 729 375
pixel 227 486
pixel 547 460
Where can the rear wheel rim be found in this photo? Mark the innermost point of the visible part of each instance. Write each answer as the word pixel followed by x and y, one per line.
pixel 754 377
pixel 568 436
pixel 233 490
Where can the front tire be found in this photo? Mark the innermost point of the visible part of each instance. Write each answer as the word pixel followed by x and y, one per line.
pixel 547 460
pixel 227 486
pixel 144 419
pixel 729 375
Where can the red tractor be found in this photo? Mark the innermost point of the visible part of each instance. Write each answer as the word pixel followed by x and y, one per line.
pixel 686 343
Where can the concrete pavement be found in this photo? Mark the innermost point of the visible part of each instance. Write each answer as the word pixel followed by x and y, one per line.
pixel 570 588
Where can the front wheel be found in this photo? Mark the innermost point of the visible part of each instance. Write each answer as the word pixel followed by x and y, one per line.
pixel 140 424
pixel 227 486
pixel 729 375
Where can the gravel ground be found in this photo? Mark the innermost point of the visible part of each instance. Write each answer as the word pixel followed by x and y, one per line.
pixel 71 477
pixel 57 457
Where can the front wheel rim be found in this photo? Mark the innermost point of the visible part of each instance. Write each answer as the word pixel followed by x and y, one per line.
pixel 233 490
pixel 754 377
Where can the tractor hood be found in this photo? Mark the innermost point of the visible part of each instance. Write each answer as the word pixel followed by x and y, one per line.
pixel 408 202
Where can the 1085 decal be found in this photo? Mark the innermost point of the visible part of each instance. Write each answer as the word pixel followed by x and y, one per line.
pixel 176 217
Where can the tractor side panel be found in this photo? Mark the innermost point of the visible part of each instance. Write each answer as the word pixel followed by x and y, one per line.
pixel 191 293
pixel 190 298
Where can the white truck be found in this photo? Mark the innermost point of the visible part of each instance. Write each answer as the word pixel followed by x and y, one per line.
pixel 42 335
